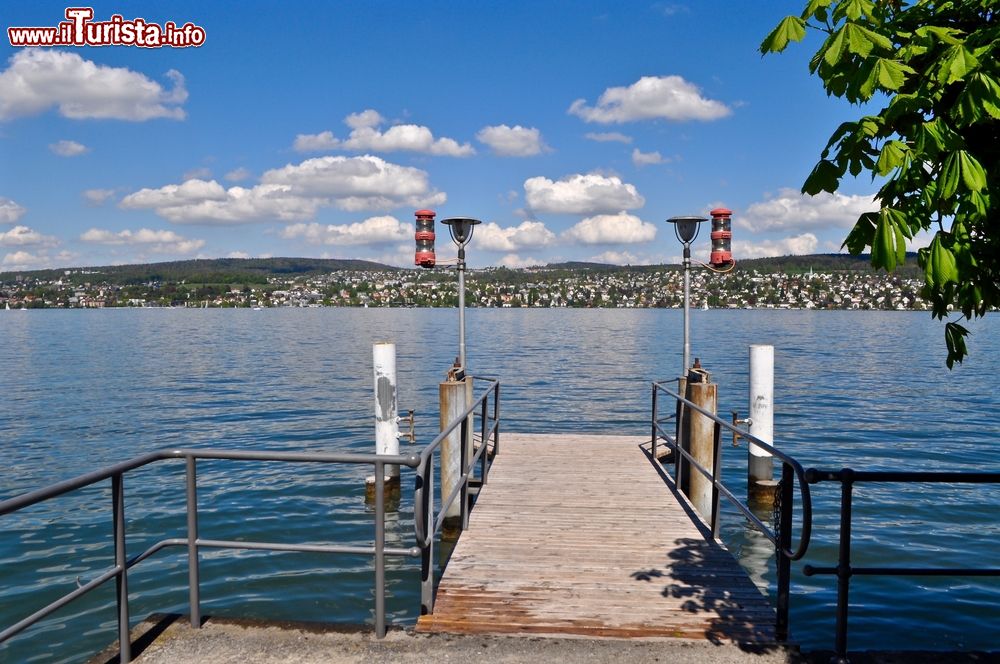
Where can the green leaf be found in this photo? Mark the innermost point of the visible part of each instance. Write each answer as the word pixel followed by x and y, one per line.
pixel 893 155
pixel 889 241
pixel 955 64
pixel 791 28
pixel 892 74
pixel 834 47
pixel 862 235
pixel 954 339
pixel 940 267
pixel 973 175
pixel 949 176
pixel 825 176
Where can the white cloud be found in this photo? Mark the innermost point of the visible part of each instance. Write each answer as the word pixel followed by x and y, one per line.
pixel 608 137
pixel 237 174
pixel 805 243
pixel 22 236
pixel 10 211
pixel 366 136
pixel 39 79
pixel 200 173
pixel 640 158
pixel 516 141
pixel 97 197
pixel 293 193
pixel 621 228
pixel 374 230
pixel 514 262
pixel 526 235
pixel 621 258
pixel 23 260
pixel 581 194
pixel 793 210
pixel 651 97
pixel 237 254
pixel 157 242
pixel 66 148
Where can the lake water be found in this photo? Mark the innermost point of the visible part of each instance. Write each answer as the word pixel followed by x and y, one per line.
pixel 83 389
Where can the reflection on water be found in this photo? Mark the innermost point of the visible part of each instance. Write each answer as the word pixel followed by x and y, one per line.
pixel 83 389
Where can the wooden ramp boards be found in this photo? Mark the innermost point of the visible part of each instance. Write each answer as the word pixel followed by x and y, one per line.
pixel 579 534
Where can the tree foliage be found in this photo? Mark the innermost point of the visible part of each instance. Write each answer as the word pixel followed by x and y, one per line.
pixel 934 68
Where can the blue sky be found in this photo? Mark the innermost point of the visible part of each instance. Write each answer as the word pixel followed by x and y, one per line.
pixel 571 129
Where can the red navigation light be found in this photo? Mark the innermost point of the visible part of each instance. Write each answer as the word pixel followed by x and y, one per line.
pixel 424 256
pixel 722 238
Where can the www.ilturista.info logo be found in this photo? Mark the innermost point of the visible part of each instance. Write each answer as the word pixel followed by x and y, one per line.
pixel 81 30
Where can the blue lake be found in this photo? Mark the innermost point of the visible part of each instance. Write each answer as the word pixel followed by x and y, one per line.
pixel 83 389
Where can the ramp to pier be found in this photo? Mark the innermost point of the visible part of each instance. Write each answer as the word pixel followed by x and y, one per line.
pixel 580 534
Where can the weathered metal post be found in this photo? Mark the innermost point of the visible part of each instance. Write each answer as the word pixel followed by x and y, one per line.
pixel 704 394
pixel 386 418
pixel 452 394
pixel 760 468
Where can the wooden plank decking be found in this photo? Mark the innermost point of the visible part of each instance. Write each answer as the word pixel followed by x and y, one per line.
pixel 579 534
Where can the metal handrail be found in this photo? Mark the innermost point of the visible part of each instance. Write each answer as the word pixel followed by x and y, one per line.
pixel 848 477
pixel 116 473
pixel 791 472
pixel 799 473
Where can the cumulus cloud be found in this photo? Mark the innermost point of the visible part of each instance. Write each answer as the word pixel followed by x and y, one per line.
pixel 366 136
pixel 200 173
pixel 640 158
pixel 157 242
pixel 621 258
pixel 97 197
pixel 526 235
pixel 374 230
pixel 621 228
pixel 516 141
pixel 805 243
pixel 649 98
pixel 237 254
pixel 513 261
pixel 581 194
pixel 10 211
pixel 22 236
pixel 237 174
pixel 793 210
pixel 38 79
pixel 66 148
pixel 608 137
pixel 24 260
pixel 293 193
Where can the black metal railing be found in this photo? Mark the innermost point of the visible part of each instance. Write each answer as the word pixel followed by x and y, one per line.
pixel 423 511
pixel 792 474
pixel 844 570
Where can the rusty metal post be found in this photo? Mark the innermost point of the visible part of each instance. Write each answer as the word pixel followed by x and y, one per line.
pixel 703 394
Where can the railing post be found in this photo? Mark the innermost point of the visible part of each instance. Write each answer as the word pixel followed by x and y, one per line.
pixel 485 451
pixel 466 473
pixel 653 436
pixel 783 562
pixel 121 562
pixel 427 546
pixel 716 477
pixel 496 418
pixel 844 564
pixel 379 550
pixel 194 584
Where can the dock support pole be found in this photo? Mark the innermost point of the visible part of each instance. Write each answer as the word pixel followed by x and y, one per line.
pixel 386 419
pixel 452 394
pixel 760 468
pixel 704 394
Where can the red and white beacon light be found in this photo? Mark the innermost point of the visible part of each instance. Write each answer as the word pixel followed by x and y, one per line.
pixel 722 238
pixel 424 256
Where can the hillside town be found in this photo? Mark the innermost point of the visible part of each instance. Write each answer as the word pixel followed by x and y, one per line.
pixel 637 287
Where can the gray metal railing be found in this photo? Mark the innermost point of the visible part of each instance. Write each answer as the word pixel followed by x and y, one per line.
pixel 792 473
pixel 423 510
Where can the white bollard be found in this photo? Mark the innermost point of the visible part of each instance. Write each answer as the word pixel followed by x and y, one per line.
pixel 760 470
pixel 386 410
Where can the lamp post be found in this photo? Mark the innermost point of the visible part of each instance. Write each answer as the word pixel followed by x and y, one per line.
pixel 461 229
pixel 686 230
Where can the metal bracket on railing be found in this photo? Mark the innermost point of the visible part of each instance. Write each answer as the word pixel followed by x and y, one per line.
pixel 736 422
pixel 411 434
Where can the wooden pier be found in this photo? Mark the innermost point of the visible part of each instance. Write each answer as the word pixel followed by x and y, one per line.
pixel 581 535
